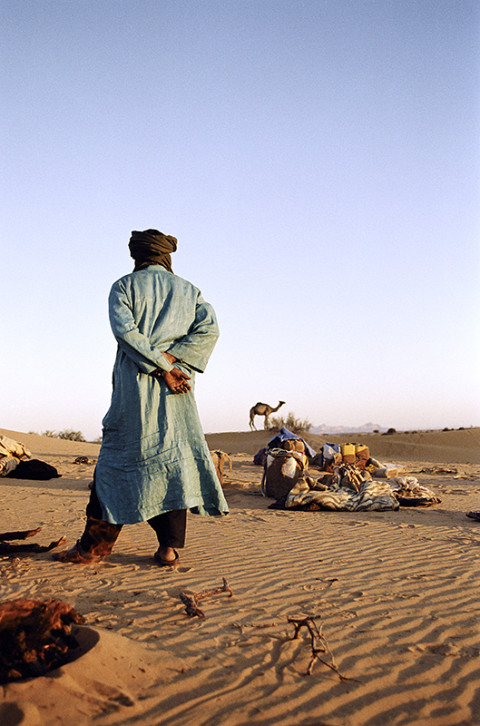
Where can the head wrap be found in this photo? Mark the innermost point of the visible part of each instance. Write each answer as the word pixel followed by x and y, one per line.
pixel 152 247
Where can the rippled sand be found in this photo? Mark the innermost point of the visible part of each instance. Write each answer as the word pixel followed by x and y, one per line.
pixel 395 593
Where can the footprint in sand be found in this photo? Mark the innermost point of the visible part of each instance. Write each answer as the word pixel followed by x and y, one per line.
pixel 113 695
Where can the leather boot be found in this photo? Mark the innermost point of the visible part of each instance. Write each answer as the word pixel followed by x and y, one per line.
pixel 95 544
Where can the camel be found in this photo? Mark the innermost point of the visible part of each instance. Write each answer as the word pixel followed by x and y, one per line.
pixel 218 458
pixel 262 409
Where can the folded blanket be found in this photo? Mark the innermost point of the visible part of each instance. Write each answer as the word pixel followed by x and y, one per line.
pixel 412 494
pixel 11 452
pixel 371 495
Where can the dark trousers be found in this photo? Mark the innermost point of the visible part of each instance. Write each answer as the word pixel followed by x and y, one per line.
pixel 169 527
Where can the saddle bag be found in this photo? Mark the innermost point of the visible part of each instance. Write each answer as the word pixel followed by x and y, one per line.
pixel 332 456
pixel 282 471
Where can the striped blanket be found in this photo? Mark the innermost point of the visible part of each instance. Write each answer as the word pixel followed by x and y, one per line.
pixel 377 495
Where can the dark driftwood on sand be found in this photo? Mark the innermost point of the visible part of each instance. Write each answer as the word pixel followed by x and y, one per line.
pixel 316 634
pixel 8 549
pixel 191 601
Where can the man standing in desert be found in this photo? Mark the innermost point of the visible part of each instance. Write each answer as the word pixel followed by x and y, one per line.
pixel 154 463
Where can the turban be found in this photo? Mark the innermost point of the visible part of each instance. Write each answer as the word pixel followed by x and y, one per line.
pixel 151 247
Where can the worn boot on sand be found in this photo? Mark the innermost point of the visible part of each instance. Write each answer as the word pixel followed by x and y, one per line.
pixel 95 544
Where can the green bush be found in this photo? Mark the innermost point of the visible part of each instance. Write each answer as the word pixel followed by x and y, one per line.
pixel 71 435
pixel 68 434
pixel 290 422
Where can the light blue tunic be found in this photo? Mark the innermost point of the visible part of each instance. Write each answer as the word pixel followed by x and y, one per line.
pixel 154 457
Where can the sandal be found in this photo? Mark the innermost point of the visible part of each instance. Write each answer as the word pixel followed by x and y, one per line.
pixel 166 563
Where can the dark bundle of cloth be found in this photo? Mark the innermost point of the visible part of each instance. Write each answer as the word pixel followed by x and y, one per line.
pixel 35 637
pixel 34 469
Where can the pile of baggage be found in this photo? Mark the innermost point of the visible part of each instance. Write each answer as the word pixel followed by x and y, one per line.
pixel 351 479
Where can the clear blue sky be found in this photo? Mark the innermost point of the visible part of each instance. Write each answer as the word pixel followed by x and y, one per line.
pixel 318 162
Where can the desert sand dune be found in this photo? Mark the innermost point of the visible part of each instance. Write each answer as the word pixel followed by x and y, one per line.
pixel 395 594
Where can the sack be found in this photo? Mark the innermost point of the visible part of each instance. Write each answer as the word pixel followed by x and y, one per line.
pixel 332 456
pixel 293 445
pixel 284 435
pixel 260 457
pixel 282 471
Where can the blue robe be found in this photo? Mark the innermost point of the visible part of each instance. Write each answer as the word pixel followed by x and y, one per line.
pixel 154 457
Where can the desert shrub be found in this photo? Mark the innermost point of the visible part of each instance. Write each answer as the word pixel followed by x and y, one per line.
pixel 65 434
pixel 390 431
pixel 290 422
pixel 68 434
pixel 71 435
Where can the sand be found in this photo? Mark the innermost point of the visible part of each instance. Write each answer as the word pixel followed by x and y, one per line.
pixel 395 593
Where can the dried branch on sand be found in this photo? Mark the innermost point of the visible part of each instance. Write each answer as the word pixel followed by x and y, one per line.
pixel 316 636
pixel 191 601
pixel 8 549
